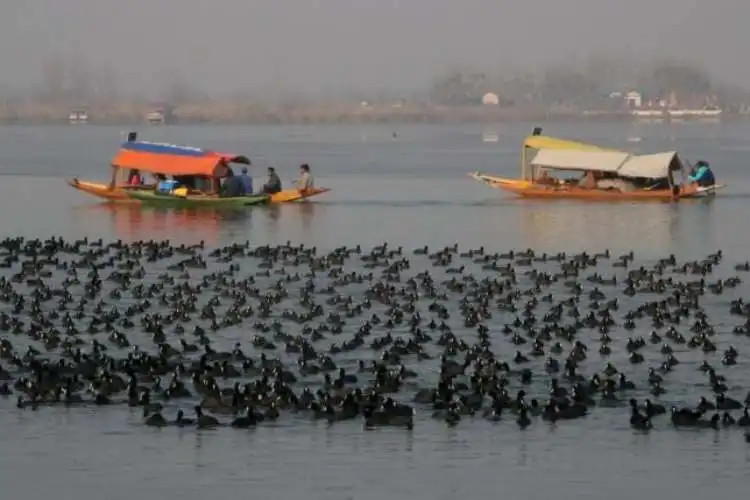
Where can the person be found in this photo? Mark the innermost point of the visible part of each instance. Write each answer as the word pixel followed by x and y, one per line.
pixel 546 179
pixel 233 187
pixel 588 181
pixel 187 181
pixel 609 181
pixel 702 175
pixel 305 181
pixel 134 178
pixel 247 181
pixel 274 183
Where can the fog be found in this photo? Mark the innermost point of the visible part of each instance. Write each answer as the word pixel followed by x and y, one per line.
pixel 324 45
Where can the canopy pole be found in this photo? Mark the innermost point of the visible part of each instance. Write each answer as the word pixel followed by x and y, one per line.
pixel 113 182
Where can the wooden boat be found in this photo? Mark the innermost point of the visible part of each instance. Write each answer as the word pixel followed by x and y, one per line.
pixel 153 197
pixel 105 191
pixel 176 161
pixel 120 193
pixel 627 177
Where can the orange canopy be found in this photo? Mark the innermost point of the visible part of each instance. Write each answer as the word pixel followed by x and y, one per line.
pixel 170 165
pixel 173 160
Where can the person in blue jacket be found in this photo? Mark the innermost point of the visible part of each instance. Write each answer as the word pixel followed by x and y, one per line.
pixel 702 174
pixel 247 181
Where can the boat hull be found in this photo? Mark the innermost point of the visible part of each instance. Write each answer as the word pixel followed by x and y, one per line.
pixel 190 201
pixel 120 193
pixel 527 189
pixel 103 191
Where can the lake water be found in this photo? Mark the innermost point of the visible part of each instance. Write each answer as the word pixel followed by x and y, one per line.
pixel 411 190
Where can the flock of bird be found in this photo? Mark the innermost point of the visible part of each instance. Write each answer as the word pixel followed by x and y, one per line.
pixel 243 335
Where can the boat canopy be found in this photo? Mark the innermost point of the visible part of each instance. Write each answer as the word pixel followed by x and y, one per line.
pixel 560 159
pixel 652 166
pixel 170 159
pixel 547 142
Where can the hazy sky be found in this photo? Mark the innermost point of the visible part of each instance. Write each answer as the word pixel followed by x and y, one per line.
pixel 323 44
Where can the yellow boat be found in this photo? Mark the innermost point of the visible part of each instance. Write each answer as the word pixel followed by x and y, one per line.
pixel 647 177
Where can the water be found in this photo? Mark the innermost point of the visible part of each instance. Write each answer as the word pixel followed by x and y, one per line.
pixel 409 191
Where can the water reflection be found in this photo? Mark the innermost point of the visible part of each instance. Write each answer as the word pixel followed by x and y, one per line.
pixel 133 222
pixel 307 212
pixel 579 226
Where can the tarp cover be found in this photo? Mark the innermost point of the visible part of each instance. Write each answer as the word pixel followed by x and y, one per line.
pixel 559 159
pixel 655 166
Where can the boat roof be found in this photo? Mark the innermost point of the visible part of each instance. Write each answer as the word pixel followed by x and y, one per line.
pixel 171 159
pixel 654 166
pixel 563 159
pixel 547 142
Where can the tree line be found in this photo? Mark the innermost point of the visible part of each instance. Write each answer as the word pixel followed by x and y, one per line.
pixel 581 86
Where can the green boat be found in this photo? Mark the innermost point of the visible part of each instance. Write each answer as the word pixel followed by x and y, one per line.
pixel 193 201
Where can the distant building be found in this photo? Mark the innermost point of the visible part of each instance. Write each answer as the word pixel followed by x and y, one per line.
pixel 156 116
pixel 490 99
pixel 78 116
pixel 634 99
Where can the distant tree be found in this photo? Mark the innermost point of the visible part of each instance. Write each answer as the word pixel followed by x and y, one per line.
pixel 107 86
pixel 53 78
pixel 563 86
pixel 79 80
pixel 681 78
pixel 457 88
pixel 176 90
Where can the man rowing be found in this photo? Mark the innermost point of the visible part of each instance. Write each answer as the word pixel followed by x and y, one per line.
pixel 701 175
pixel 305 182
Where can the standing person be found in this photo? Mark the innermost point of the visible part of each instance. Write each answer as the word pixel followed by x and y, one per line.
pixel 274 182
pixel 247 181
pixel 305 181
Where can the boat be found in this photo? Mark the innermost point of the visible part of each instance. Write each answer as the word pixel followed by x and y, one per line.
pixel 153 197
pixel 170 159
pixel 120 193
pixel 647 177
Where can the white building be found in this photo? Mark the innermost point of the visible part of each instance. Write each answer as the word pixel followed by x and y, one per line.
pixel 490 99
pixel 634 99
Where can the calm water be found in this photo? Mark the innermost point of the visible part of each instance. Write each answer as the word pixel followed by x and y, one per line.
pixel 408 191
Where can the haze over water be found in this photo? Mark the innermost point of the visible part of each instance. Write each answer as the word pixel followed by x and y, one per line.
pixel 408 191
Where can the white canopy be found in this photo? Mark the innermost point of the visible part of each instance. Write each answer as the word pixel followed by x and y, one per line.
pixel 601 161
pixel 655 166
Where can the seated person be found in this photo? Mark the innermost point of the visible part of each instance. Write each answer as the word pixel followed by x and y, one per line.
pixel 134 178
pixel 546 179
pixel 702 175
pixel 247 181
pixel 588 181
pixel 167 185
pixel 274 183
pixel 232 187
pixel 612 182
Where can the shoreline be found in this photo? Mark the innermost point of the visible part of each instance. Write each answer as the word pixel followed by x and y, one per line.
pixel 327 115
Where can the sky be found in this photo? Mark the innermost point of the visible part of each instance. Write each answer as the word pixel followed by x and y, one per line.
pixel 319 45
